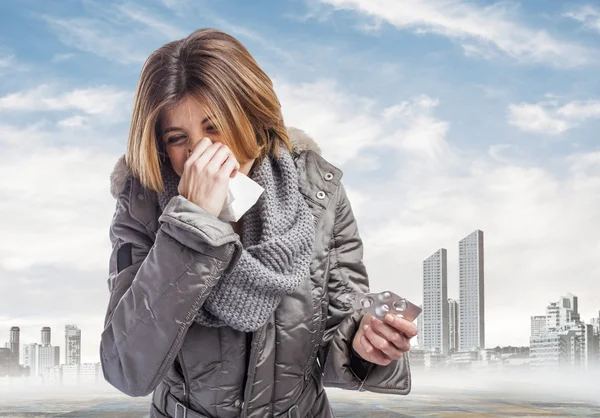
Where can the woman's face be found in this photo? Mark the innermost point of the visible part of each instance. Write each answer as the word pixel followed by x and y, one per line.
pixel 184 126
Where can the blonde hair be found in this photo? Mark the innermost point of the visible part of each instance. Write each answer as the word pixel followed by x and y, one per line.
pixel 217 71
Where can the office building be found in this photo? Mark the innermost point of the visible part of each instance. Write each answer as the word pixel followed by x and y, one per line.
pixel 90 373
pixel 435 303
pixel 72 345
pixel 562 313
pixel 471 333
pixel 15 350
pixel 47 356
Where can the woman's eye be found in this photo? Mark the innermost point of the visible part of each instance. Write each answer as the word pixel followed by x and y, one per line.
pixel 210 128
pixel 174 139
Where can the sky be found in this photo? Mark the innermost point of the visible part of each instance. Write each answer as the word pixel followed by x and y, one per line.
pixel 445 117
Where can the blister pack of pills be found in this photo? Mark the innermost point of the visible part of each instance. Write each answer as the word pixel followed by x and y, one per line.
pixel 382 303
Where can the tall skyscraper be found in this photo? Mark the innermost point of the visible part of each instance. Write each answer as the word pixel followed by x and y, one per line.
pixel 453 324
pixel 435 303
pixel 46 337
pixel 15 351
pixel 72 345
pixel 14 343
pixel 471 292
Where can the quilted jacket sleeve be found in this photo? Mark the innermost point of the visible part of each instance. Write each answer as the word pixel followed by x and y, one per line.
pixel 156 287
pixel 341 367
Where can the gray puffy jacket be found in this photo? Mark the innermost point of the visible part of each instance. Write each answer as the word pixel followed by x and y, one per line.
pixel 162 268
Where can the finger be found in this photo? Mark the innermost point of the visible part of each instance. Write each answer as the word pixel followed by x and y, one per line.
pixel 406 327
pixel 381 343
pixel 202 161
pixel 229 168
pixel 367 319
pixel 373 354
pixel 391 334
pixel 197 151
pixel 219 158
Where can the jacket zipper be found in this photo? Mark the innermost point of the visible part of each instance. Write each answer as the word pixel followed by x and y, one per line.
pixel 186 384
pixel 320 330
pixel 250 370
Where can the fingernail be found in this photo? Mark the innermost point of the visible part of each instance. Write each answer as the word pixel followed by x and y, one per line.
pixel 389 318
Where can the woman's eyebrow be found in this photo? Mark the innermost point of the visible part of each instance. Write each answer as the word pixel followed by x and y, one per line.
pixel 171 129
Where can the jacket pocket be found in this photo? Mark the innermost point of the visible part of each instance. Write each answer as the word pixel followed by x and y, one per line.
pixel 124 257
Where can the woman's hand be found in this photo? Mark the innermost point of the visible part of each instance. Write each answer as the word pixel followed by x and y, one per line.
pixel 206 175
pixel 382 342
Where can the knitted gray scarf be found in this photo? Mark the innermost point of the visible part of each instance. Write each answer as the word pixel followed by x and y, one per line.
pixel 277 238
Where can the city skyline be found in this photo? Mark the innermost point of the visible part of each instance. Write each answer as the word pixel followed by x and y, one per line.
pixel 450 328
pixel 37 356
pixel 560 342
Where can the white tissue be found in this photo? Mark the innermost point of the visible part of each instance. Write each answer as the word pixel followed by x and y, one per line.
pixel 243 194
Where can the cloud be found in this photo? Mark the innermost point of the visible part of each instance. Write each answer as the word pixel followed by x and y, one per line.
pixel 155 22
pixel 548 118
pixel 7 62
pixel 55 176
pixel 485 31
pixel 588 16
pixel 245 34
pixel 100 100
pixel 420 133
pixel 72 122
pixel 320 109
pixel 176 4
pixel 125 33
pixel 56 207
pixel 62 57
pixel 352 124
pixel 99 38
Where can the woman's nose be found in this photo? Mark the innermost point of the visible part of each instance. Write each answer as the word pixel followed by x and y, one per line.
pixel 194 142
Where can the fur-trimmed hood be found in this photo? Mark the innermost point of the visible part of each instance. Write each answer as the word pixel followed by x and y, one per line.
pixel 301 141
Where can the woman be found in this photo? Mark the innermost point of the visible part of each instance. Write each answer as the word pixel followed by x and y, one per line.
pixel 244 318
